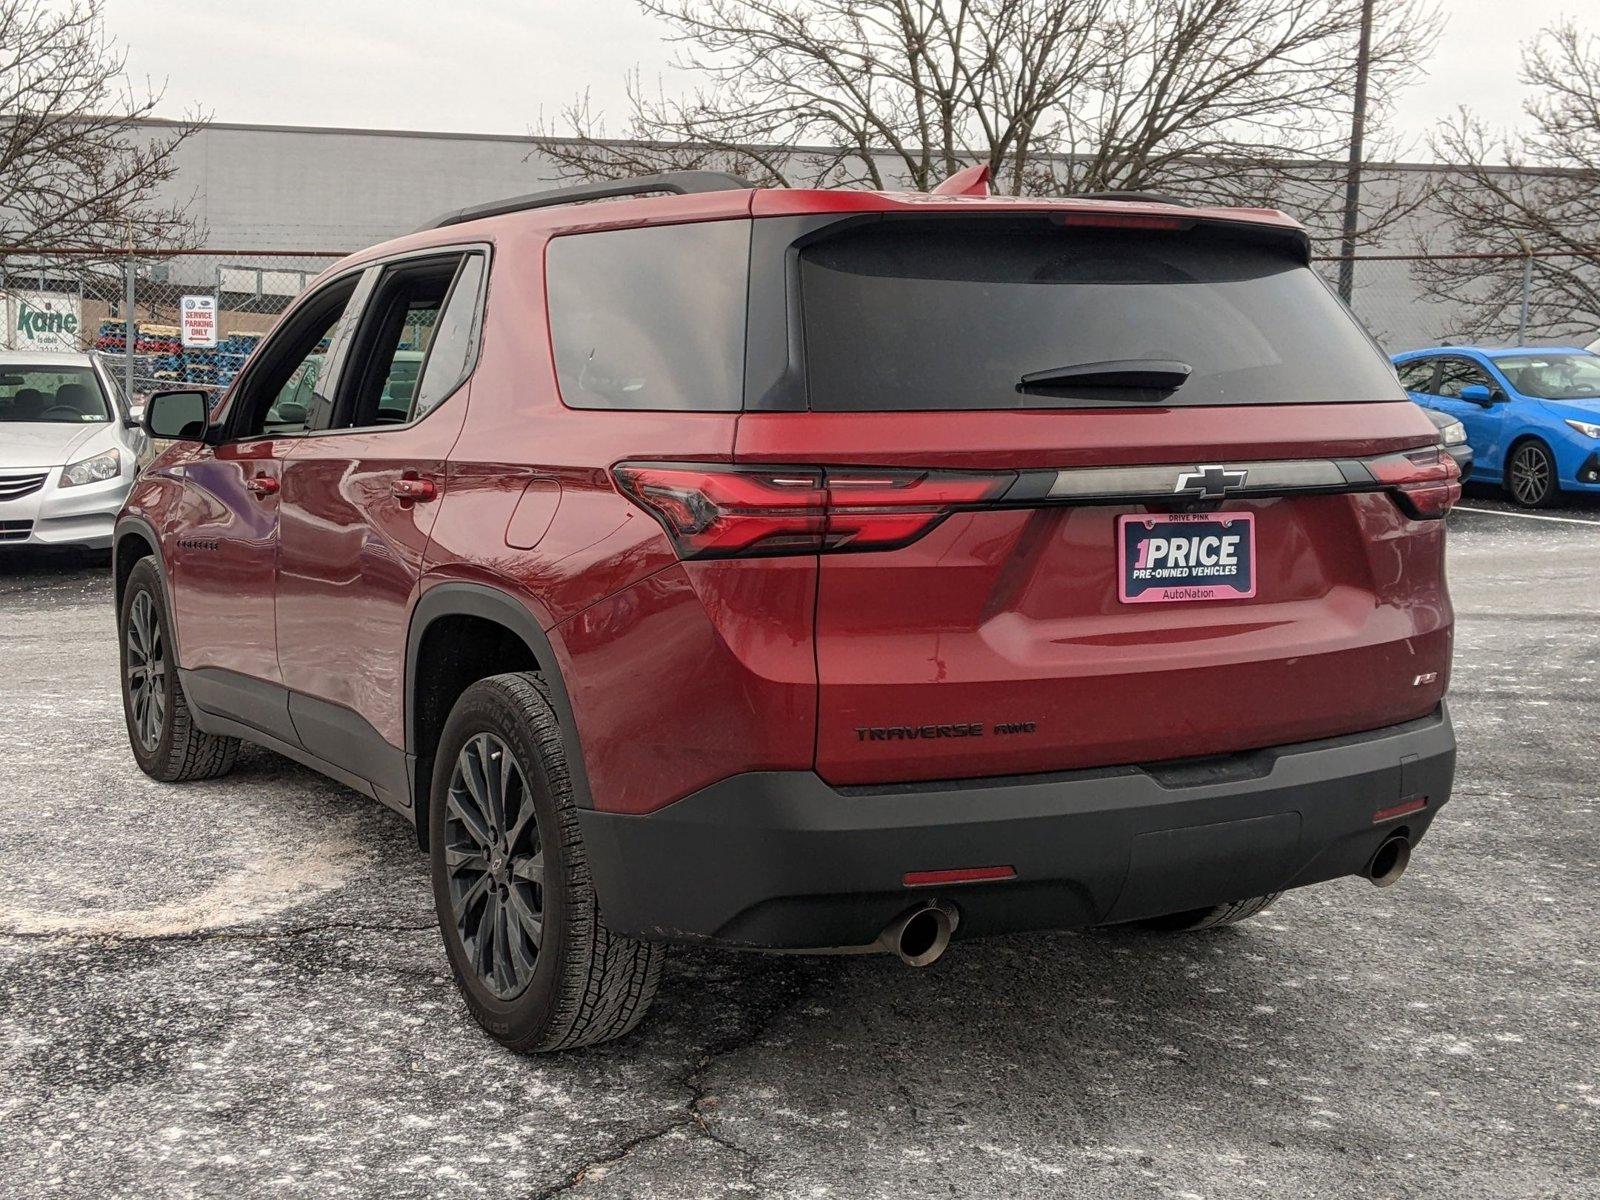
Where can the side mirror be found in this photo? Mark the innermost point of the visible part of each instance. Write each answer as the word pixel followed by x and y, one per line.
pixel 1476 393
pixel 180 415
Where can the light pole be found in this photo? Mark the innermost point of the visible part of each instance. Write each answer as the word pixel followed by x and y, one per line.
pixel 1352 179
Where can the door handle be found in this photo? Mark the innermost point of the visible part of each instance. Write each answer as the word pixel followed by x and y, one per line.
pixel 262 485
pixel 415 489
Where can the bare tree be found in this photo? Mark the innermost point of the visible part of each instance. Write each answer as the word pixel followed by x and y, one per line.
pixel 1533 199
pixel 1238 100
pixel 77 168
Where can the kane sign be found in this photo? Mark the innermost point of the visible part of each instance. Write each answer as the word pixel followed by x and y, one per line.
pixel 199 322
pixel 41 321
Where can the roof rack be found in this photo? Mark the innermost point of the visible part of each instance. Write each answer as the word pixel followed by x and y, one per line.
pixel 1137 197
pixel 681 183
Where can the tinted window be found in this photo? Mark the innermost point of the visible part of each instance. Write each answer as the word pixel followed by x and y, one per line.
pixel 1416 375
pixel 454 340
pixel 651 318
pixel 924 315
pixel 1456 373
pixel 44 393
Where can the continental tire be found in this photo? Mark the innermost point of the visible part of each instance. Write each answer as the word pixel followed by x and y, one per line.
pixel 161 732
pixel 511 884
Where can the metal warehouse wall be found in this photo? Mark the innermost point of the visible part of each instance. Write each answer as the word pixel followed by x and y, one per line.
pixel 275 188
pixel 262 187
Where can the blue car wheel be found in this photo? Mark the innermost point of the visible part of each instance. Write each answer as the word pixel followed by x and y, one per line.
pixel 1531 475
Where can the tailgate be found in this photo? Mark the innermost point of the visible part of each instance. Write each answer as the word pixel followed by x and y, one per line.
pixel 1001 642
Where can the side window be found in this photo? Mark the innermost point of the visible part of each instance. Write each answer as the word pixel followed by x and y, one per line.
pixel 1417 375
pixel 284 392
pixel 455 340
pixel 420 311
pixel 651 318
pixel 1456 373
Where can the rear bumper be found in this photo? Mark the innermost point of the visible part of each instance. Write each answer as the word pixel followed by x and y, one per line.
pixel 781 860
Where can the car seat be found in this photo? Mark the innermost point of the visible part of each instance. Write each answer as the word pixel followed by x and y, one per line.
pixel 77 396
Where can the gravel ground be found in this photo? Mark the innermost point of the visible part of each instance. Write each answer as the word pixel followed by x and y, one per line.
pixel 236 988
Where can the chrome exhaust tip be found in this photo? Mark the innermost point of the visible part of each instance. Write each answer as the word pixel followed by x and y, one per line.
pixel 1390 861
pixel 921 936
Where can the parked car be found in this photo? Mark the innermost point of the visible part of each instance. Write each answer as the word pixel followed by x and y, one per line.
pixel 1453 437
pixel 1532 414
pixel 812 570
pixel 68 450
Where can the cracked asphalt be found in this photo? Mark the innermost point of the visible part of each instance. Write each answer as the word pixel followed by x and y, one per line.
pixel 235 988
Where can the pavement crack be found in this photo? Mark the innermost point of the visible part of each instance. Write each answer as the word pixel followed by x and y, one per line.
pixel 612 1158
pixel 694 1118
pixel 209 935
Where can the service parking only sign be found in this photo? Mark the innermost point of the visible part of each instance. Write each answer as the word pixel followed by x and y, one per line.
pixel 200 321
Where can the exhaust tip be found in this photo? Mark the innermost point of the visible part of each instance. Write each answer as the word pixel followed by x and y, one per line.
pixel 1390 861
pixel 921 937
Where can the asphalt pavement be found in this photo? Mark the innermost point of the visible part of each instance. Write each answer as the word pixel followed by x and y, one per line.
pixel 235 988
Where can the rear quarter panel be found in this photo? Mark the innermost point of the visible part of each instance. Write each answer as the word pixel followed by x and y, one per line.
pixel 678 675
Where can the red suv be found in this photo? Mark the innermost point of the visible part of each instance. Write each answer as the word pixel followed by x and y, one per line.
pixel 810 570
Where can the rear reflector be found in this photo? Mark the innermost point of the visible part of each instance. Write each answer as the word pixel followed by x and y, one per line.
pixel 1425 483
pixel 718 511
pixel 1415 804
pixel 957 875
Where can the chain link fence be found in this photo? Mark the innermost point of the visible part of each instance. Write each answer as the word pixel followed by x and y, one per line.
pixel 82 300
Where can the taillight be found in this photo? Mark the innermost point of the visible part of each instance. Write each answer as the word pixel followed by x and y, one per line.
pixel 1425 483
pixel 1105 220
pixel 725 511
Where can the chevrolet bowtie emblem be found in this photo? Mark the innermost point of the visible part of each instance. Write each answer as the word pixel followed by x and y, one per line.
pixel 1209 481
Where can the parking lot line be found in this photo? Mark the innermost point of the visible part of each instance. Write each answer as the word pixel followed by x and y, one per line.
pixel 1496 512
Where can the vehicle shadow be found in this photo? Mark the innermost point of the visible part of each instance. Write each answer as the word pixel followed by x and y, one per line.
pixel 25 561
pixel 1488 495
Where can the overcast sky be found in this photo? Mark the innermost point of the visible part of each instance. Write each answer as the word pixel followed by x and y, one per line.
pixel 488 66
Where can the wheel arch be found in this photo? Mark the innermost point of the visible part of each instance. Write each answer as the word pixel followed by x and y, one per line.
pixel 134 540
pixel 482 613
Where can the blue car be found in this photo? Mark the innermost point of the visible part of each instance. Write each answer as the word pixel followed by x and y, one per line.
pixel 1532 414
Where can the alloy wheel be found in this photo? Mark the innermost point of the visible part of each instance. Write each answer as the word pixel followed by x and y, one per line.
pixel 494 858
pixel 1530 475
pixel 147 672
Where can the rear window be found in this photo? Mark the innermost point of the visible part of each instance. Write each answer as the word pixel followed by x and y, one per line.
pixel 651 318
pixel 922 315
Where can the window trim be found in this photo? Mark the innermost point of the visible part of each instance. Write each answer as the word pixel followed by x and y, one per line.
pixel 363 293
pixel 461 254
pixel 378 266
pixel 1495 384
pixel 335 360
pixel 470 363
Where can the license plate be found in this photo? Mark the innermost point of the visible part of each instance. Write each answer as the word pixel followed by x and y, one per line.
pixel 1169 557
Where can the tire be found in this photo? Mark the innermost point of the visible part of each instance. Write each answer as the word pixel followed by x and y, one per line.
pixel 161 732
pixel 525 877
pixel 1530 475
pixel 1208 918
